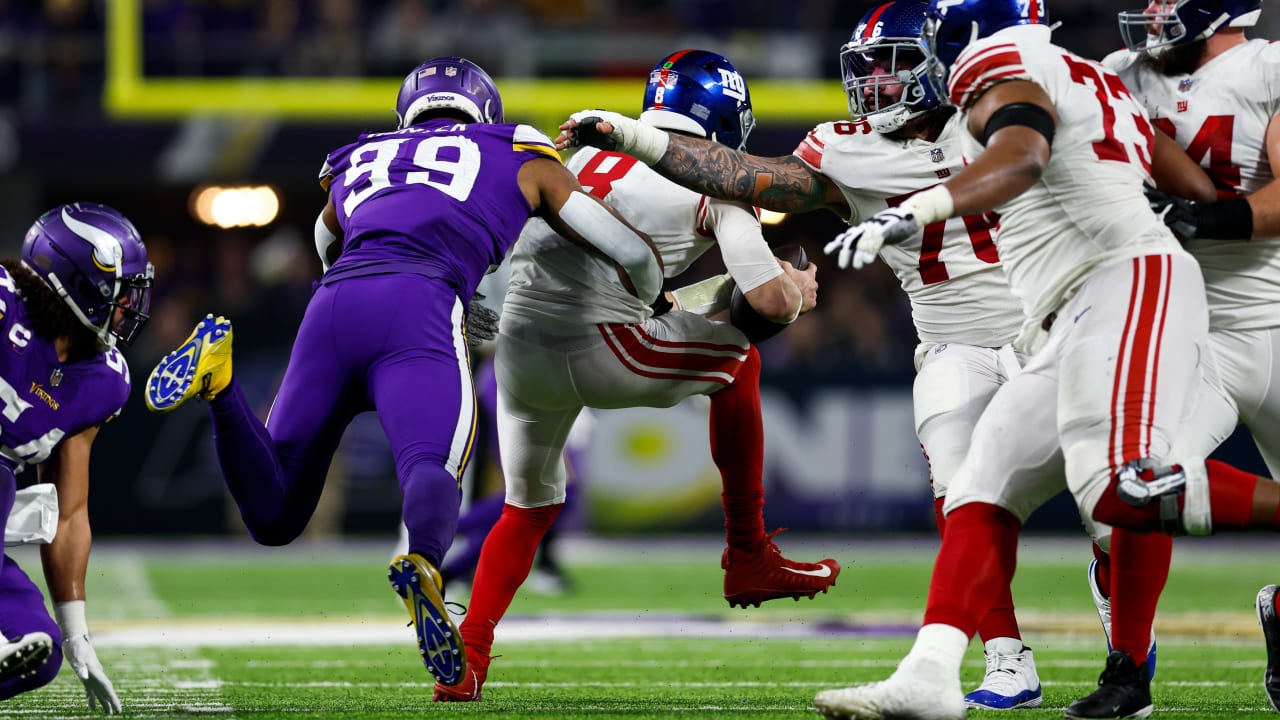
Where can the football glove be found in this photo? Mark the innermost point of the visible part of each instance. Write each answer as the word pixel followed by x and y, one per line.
pixel 860 244
pixel 1227 219
pixel 83 659
pixel 1178 214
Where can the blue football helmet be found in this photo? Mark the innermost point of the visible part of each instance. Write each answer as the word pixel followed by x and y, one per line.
pixel 94 259
pixel 1184 21
pixel 699 92
pixel 887 53
pixel 452 83
pixel 950 25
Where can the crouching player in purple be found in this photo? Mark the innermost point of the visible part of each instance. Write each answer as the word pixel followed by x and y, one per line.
pixel 82 284
pixel 422 212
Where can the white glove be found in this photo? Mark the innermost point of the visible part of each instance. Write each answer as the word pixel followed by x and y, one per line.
pixel 83 659
pixel 860 244
pixel 643 142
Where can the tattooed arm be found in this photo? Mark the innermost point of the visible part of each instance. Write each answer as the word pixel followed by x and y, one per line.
pixel 782 184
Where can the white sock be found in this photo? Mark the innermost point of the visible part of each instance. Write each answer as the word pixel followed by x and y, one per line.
pixel 1003 646
pixel 939 645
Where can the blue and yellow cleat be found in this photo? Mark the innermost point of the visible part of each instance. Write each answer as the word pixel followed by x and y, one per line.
pixel 200 367
pixel 439 642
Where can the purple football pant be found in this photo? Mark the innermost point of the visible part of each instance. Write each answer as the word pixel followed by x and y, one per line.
pixel 391 343
pixel 22 607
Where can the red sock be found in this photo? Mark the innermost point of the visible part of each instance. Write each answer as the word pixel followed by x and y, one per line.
pixel 979 552
pixel 1230 496
pixel 1000 620
pixel 505 560
pixel 1103 574
pixel 1139 569
pixel 737 447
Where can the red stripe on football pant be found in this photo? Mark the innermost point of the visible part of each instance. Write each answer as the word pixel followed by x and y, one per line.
pixel 675 358
pixel 1119 372
pixel 625 356
pixel 739 350
pixel 1166 276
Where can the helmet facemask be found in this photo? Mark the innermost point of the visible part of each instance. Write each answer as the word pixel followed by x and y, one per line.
pixel 884 78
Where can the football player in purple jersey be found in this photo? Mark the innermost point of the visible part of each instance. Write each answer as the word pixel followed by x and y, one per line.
pixel 420 212
pixel 83 283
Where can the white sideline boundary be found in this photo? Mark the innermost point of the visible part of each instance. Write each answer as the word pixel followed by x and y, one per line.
pixel 256 633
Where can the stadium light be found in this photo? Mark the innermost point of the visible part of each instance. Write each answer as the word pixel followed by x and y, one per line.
pixel 236 206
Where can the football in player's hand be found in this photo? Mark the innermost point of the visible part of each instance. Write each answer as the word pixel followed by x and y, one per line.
pixel 744 317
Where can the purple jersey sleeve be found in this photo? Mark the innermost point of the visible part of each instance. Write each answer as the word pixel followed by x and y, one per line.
pixel 441 199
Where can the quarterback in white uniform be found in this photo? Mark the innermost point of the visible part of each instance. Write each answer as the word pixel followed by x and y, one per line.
pixel 903 138
pixel 1217 94
pixel 573 336
pixel 1057 144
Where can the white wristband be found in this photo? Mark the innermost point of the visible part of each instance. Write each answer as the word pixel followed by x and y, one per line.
pixel 931 205
pixel 639 140
pixel 70 616
pixel 646 144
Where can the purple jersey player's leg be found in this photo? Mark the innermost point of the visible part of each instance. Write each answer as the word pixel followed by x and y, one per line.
pixel 276 473
pixel 484 510
pixel 22 611
pixel 421 385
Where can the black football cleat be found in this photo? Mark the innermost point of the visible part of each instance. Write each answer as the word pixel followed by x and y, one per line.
pixel 1124 691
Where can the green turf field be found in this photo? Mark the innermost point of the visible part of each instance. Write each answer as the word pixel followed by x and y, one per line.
pixel 313 631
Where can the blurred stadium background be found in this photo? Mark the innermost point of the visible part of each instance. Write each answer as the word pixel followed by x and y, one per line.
pixel 206 122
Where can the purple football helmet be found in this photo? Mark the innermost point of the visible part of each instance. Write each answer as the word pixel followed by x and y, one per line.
pixel 94 259
pixel 449 83
pixel 699 92
pixel 1184 21
pixel 950 25
pixel 887 53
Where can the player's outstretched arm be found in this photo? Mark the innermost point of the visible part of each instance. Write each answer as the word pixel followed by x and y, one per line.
pixel 555 195
pixel 1016 120
pixel 781 184
pixel 66 561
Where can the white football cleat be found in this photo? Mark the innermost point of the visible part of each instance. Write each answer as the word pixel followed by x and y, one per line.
pixel 1011 681
pixel 918 690
pixel 23 656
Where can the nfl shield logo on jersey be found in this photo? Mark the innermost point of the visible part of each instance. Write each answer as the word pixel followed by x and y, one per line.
pixel 936 155
pixel 1184 85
